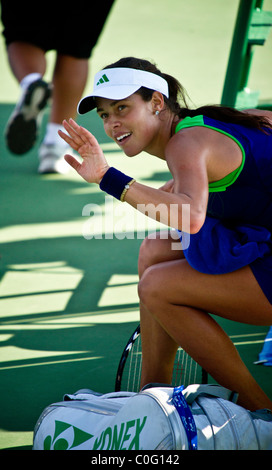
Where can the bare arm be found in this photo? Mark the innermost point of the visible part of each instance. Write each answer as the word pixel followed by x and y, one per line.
pixel 190 184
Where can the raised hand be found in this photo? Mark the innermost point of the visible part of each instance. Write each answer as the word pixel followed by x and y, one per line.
pixel 94 165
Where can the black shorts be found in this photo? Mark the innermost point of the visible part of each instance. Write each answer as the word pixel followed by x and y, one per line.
pixel 68 28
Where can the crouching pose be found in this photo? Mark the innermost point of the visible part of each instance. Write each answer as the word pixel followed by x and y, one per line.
pixel 221 164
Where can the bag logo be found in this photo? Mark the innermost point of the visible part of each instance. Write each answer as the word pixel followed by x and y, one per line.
pixel 103 79
pixel 122 436
pixel 70 439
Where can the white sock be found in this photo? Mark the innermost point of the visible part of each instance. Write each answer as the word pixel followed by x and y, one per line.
pixel 52 137
pixel 28 79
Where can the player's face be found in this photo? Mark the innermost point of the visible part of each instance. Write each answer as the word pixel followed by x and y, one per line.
pixel 129 122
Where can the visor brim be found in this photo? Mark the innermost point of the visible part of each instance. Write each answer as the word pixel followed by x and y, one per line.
pixel 109 92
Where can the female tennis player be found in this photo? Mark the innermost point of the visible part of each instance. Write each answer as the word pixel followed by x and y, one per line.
pixel 221 163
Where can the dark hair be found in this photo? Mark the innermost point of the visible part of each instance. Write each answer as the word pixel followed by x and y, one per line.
pixel 177 101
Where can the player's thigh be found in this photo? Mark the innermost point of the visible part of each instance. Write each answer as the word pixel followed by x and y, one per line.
pixel 158 247
pixel 236 296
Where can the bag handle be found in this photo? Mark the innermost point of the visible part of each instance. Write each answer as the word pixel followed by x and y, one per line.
pixel 193 391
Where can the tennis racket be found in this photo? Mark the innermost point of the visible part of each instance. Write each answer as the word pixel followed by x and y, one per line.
pixel 186 371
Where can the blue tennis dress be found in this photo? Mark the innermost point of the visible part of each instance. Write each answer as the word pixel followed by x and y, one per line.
pixel 238 226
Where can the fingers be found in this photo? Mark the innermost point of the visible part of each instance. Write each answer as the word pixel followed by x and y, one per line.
pixel 72 128
pixel 77 131
pixel 73 162
pixel 87 136
pixel 79 168
pixel 66 137
pixel 87 146
pixel 73 138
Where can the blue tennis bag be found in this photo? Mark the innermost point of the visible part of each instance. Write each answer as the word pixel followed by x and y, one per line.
pixel 200 417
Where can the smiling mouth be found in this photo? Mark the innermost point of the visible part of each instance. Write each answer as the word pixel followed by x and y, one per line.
pixel 122 138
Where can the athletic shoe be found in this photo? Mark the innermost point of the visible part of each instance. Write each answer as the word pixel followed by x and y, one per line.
pixel 23 124
pixel 52 159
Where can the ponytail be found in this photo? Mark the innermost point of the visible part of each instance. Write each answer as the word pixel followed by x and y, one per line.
pixel 177 101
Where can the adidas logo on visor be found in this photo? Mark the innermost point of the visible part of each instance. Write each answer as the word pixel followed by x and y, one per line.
pixel 103 79
pixel 119 83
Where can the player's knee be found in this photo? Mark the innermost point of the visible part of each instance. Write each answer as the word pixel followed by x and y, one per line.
pixel 146 255
pixel 148 289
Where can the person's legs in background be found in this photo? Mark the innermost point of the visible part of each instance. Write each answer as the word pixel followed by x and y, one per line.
pixel 28 38
pixel 28 65
pixel 69 80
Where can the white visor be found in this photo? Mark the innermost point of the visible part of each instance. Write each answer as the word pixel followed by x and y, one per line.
pixel 119 83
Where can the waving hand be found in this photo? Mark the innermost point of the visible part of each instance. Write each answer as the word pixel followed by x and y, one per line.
pixel 94 164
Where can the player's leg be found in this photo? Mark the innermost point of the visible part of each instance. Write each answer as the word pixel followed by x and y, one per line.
pixel 70 76
pixel 28 65
pixel 69 80
pixel 156 248
pixel 178 298
pixel 25 58
pixel 157 346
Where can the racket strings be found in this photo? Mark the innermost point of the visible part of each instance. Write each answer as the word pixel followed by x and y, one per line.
pixel 185 371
